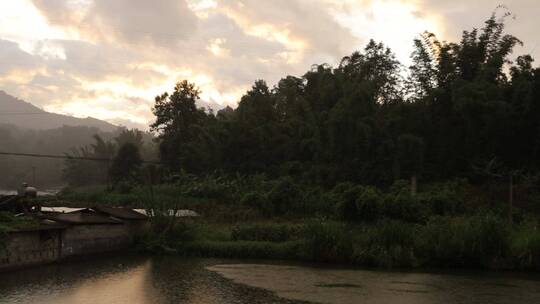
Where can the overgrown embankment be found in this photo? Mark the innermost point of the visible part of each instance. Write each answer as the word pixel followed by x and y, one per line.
pixel 452 224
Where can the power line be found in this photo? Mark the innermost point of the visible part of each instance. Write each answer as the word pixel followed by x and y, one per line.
pixel 23 113
pixel 67 157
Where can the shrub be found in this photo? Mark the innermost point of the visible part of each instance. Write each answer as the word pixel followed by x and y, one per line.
pixel 525 245
pixel 241 249
pixel 284 196
pixel 404 206
pixel 266 232
pixel 388 244
pixel 258 201
pixel 400 186
pixel 468 241
pixel 369 204
pixel 124 187
pixel 327 242
pixel 344 196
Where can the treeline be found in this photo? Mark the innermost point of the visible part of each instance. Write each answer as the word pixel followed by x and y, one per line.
pixel 463 109
pixel 110 161
pixel 68 140
pixel 48 172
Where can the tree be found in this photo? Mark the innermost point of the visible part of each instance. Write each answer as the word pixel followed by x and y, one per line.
pixel 93 171
pixel 132 136
pixel 177 123
pixel 126 164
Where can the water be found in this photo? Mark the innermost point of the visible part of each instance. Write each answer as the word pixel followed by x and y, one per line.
pixel 145 280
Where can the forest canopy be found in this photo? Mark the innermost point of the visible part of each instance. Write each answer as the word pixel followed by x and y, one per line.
pixel 463 109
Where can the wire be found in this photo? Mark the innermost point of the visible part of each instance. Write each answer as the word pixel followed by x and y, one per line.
pixel 68 157
pixel 24 113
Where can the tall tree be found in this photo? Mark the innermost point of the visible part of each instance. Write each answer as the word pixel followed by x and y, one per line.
pixel 177 123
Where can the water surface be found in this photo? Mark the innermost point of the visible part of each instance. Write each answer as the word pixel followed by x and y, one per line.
pixel 145 280
pixel 128 280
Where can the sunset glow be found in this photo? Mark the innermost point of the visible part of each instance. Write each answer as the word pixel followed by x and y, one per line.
pixel 73 57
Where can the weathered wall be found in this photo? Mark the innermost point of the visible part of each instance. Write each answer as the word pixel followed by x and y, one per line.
pixel 29 248
pixel 87 239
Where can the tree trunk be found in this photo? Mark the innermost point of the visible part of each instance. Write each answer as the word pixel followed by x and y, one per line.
pixel 414 185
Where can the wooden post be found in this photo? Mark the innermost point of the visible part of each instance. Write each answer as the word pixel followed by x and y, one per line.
pixel 511 198
pixel 414 185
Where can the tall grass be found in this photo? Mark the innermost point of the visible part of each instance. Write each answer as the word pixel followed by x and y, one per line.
pixel 361 225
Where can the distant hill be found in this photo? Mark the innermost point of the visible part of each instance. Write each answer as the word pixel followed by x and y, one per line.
pixel 25 115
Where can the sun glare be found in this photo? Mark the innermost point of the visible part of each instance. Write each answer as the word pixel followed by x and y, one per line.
pixel 396 23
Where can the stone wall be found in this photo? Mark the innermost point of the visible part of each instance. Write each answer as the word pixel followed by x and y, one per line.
pixel 26 248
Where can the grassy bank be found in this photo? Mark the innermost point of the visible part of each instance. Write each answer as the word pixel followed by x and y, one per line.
pixel 451 224
pixel 477 242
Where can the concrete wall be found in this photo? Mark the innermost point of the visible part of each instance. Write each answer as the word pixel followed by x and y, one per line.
pixel 27 248
pixel 88 239
pixel 30 248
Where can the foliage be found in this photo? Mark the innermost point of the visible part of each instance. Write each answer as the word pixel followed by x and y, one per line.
pixel 9 222
pixel 466 241
pixel 126 163
pixel 363 122
pixel 327 242
pixel 525 245
pixel 116 159
pixel 267 232
pixel 388 244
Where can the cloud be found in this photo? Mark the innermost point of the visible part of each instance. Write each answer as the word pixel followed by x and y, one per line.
pixel 460 15
pixel 298 24
pixel 13 58
pixel 133 21
pixel 109 58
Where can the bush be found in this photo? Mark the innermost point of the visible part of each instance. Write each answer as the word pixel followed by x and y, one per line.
pixel 369 204
pixel 344 196
pixel 208 187
pixel 467 241
pixel 387 244
pixel 327 242
pixel 404 206
pixel 241 249
pixel 258 201
pixel 266 232
pixel 525 245
pixel 284 197
pixel 124 187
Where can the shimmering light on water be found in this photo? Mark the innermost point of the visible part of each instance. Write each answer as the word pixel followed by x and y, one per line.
pixel 145 280
pixel 127 280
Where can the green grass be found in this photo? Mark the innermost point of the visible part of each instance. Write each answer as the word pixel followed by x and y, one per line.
pixel 349 224
pixel 478 242
pixel 9 222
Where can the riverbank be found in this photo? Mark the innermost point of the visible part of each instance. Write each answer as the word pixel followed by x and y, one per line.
pixel 451 224
pixel 476 242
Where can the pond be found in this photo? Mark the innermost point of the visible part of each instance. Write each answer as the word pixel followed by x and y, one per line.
pixel 145 280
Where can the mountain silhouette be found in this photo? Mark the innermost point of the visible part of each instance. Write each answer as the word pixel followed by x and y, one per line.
pixel 22 114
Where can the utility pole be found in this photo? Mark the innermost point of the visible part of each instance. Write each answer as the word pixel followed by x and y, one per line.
pixel 33 176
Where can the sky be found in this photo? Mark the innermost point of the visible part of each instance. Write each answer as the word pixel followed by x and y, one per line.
pixel 108 59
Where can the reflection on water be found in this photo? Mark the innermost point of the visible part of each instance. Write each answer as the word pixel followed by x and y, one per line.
pixel 359 286
pixel 127 280
pixel 144 280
